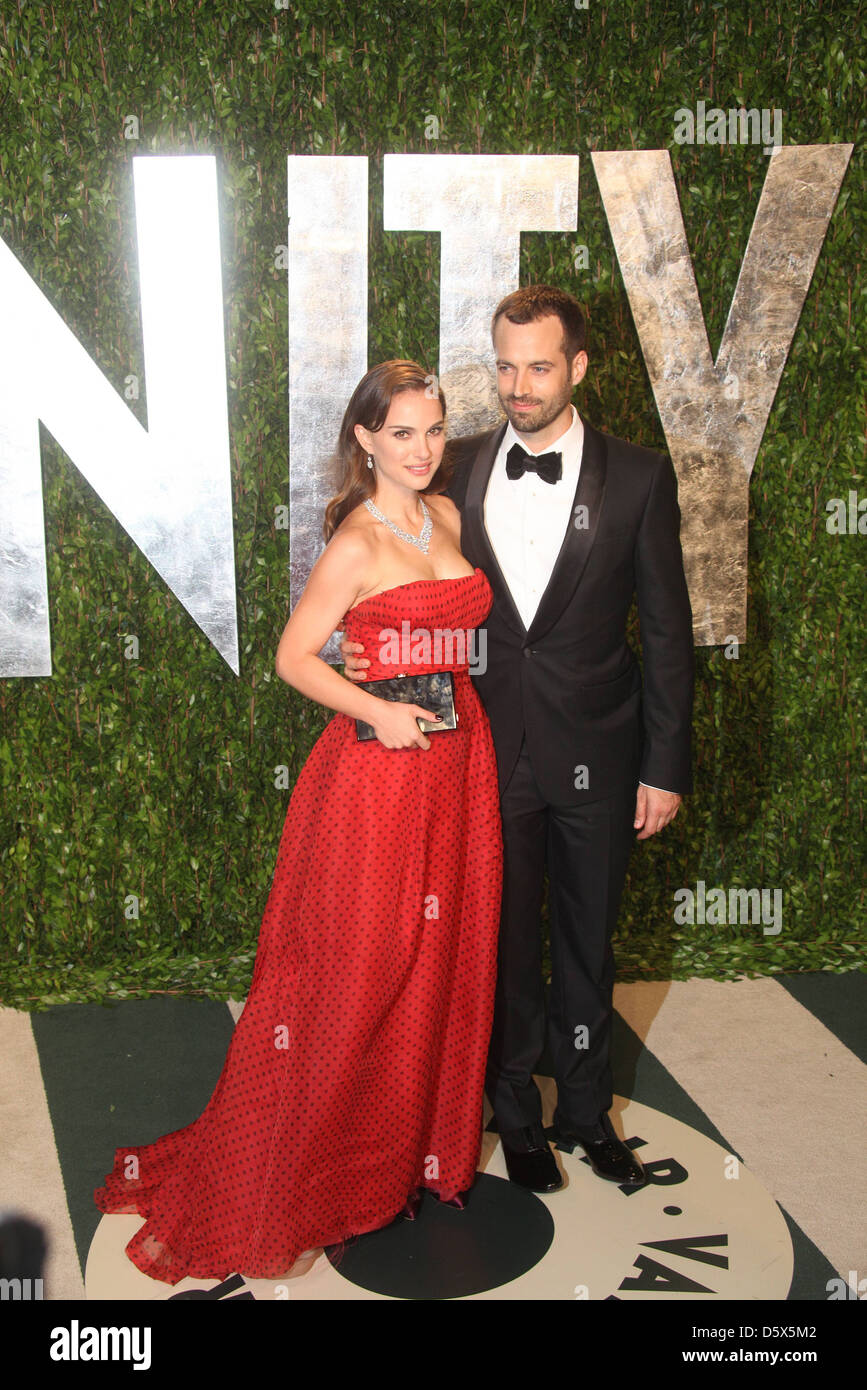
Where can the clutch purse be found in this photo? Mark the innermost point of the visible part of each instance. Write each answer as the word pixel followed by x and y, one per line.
pixel 435 691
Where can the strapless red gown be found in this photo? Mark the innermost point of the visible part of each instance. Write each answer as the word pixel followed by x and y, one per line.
pixel 356 1070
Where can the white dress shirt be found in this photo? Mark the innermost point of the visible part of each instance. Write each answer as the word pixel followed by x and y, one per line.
pixel 527 518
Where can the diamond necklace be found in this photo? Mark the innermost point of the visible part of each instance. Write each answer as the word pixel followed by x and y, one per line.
pixel 422 541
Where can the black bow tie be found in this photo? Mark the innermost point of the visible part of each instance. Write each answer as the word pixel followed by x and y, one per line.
pixel 548 466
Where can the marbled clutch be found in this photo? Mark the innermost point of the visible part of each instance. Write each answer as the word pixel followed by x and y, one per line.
pixel 434 691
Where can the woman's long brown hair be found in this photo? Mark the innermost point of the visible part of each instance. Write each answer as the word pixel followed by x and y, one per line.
pixel 368 406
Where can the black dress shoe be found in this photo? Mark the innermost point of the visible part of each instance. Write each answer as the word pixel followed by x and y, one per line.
pixel 609 1157
pixel 529 1161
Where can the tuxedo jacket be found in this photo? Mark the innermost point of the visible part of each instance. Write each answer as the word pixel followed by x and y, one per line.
pixel 571 683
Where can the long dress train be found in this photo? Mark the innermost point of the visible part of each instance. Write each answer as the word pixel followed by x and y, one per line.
pixel 355 1073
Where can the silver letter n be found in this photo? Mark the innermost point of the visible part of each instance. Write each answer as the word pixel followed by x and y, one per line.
pixel 169 485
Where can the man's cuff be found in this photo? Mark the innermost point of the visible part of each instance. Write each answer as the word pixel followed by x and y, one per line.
pixel 660 789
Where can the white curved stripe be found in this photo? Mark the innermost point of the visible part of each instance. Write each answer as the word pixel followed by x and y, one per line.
pixel 781 1088
pixel 31 1182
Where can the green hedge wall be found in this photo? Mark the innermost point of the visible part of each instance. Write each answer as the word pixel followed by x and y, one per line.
pixel 156 776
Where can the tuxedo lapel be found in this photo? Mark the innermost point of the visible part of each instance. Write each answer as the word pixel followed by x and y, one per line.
pixel 475 537
pixel 578 540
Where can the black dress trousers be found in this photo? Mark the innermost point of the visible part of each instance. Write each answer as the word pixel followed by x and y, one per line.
pixel 587 849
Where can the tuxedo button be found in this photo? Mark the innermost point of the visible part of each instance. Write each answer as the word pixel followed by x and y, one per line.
pixel 528 651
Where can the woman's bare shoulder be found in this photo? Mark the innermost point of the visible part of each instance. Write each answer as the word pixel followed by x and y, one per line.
pixel 356 528
pixel 353 541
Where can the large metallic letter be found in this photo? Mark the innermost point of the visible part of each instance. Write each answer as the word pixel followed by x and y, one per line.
pixel 714 414
pixel 480 203
pixel 327 336
pixel 169 485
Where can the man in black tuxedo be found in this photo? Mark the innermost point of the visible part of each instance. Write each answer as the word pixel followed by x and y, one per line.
pixel 568 523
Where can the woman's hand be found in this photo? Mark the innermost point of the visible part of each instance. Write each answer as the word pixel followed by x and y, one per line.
pixel 396 726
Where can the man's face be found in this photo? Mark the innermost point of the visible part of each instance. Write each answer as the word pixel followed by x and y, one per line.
pixel 534 380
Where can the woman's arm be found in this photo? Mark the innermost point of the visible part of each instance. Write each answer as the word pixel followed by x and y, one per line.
pixel 331 589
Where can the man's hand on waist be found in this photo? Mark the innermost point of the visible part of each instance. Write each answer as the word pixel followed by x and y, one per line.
pixel 355 666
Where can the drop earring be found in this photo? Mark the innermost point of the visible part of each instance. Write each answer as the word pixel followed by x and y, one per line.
pixel 370 460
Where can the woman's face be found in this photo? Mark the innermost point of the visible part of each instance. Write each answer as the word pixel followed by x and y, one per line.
pixel 408 449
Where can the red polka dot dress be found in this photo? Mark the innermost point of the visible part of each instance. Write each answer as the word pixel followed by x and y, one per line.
pixel 355 1073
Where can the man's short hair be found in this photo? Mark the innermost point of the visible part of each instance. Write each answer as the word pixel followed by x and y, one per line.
pixel 534 302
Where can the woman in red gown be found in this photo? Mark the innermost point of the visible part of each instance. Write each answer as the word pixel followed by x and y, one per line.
pixel 355 1074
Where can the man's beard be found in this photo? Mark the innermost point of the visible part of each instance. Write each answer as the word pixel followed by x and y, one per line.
pixel 531 421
